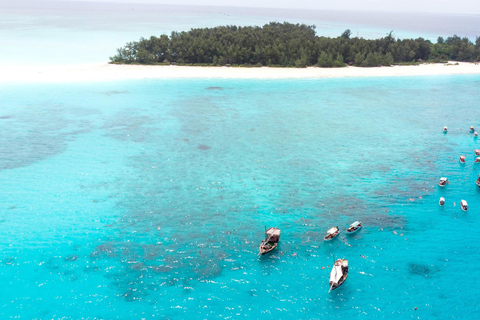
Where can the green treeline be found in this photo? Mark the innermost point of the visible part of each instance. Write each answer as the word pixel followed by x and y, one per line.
pixel 290 45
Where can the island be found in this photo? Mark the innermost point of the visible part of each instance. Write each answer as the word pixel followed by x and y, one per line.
pixel 290 45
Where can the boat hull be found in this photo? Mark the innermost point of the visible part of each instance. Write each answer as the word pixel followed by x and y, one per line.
pixel 263 250
pixel 270 243
pixel 334 285
pixel 352 232
pixel 330 239
pixel 441 202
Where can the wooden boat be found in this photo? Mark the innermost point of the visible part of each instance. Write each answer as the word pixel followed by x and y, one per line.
pixel 464 205
pixel 477 152
pixel 272 237
pixel 331 234
pixel 445 129
pixel 462 159
pixel 354 227
pixel 339 273
pixel 441 201
pixel 443 182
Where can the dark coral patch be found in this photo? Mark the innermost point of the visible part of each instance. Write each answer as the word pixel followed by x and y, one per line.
pixel 112 92
pixel 9 261
pixel 419 269
pixel 203 147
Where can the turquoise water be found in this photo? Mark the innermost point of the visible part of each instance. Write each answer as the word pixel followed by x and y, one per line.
pixel 131 199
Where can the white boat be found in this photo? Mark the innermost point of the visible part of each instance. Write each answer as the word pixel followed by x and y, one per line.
pixel 477 182
pixel 354 227
pixel 331 234
pixel 339 273
pixel 443 182
pixel 475 134
pixel 441 201
pixel 464 205
pixel 445 129
pixel 462 159
pixel 272 237
pixel 477 152
pixel 472 129
pixel 477 160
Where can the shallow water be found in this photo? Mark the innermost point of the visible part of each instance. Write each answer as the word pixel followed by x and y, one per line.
pixel 137 198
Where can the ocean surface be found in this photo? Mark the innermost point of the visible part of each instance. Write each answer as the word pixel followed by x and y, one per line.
pixel 149 198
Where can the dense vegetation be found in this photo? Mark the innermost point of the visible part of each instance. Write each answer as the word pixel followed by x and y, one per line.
pixel 290 45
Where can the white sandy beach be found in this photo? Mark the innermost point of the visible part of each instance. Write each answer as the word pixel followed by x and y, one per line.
pixel 108 72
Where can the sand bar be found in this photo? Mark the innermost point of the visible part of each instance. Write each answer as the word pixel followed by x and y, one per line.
pixel 108 72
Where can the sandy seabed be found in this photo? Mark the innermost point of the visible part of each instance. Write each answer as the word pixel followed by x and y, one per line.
pixel 109 72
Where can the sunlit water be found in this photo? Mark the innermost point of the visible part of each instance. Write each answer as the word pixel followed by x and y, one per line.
pixel 139 198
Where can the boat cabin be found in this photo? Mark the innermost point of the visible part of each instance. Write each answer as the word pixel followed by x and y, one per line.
pixel 272 237
pixel 273 234
pixel 354 227
pixel 331 233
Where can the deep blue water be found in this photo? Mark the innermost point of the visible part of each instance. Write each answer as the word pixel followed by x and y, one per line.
pixel 131 199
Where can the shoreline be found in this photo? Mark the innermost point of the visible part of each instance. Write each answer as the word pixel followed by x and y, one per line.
pixel 110 72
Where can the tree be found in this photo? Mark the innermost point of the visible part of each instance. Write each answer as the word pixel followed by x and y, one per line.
pixel 339 63
pixel 325 60
pixel 373 59
pixel 440 40
pixel 359 58
pixel 346 34
pixel 387 59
